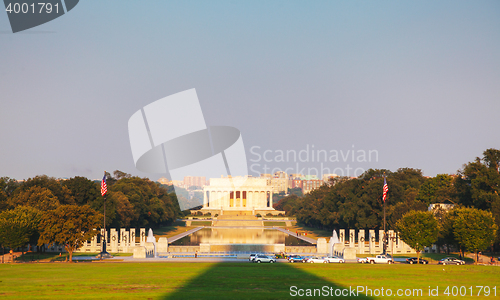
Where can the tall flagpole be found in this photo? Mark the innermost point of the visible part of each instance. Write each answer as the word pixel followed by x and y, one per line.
pixel 104 192
pixel 384 198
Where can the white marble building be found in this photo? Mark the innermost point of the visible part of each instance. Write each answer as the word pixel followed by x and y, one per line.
pixel 238 194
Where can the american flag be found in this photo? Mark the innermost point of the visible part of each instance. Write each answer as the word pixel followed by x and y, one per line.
pixel 386 188
pixel 104 187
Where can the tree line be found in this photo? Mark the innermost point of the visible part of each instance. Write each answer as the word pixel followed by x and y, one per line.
pixel 357 203
pixel 43 209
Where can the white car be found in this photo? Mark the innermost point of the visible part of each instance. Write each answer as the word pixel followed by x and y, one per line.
pixel 316 260
pixel 334 259
pixel 260 258
pixel 362 260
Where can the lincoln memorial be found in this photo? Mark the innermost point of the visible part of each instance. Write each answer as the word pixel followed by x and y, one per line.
pixel 247 195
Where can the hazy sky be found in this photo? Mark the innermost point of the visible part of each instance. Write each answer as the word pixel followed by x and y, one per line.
pixel 417 82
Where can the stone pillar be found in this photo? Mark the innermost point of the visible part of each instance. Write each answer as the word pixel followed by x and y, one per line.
pixel 271 199
pixel 125 240
pixel 349 253
pixel 162 245
pixel 338 249
pixel 352 237
pixel 390 244
pixel 381 241
pixel 205 200
pixel 132 237
pixel 142 236
pixel 361 241
pixel 93 244
pixel 342 236
pixel 121 245
pixel 321 246
pixel 114 240
pixel 371 242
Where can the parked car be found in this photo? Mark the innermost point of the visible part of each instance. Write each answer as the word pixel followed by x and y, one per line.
pixel 334 259
pixel 380 259
pixel 252 256
pixel 451 261
pixel 316 260
pixel 362 260
pixel 413 260
pixel 260 258
pixel 295 258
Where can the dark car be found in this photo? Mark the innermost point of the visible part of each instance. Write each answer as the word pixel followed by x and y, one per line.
pixel 295 258
pixel 451 261
pixel 413 260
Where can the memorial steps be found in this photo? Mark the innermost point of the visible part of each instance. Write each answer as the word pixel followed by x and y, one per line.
pixel 236 220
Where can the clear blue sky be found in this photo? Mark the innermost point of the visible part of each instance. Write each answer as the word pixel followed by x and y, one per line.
pixel 417 81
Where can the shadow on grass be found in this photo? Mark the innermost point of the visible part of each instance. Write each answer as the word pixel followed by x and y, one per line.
pixel 261 281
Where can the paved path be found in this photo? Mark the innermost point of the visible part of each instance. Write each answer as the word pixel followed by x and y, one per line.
pixel 180 236
pixel 302 237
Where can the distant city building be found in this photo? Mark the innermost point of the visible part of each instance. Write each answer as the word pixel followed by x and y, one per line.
pixel 327 177
pixel 295 183
pixel 164 180
pixel 312 184
pixel 279 182
pixel 177 183
pixel 195 181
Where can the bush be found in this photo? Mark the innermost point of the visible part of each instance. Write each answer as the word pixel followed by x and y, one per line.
pixel 207 214
pixel 199 213
pixel 258 216
pixel 269 215
pixel 216 215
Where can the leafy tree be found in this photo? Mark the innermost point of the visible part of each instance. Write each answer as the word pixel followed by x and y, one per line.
pixel 125 212
pixel 152 205
pixel 69 225
pixel 478 184
pixel 437 189
pixel 357 203
pixel 54 185
pixel 491 158
pixel 83 190
pixel 287 203
pixel 474 229
pixel 37 197
pixel 418 229
pixel 7 187
pixel 119 175
pixel 18 225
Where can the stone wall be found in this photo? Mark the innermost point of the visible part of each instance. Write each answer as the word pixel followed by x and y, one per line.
pixel 371 244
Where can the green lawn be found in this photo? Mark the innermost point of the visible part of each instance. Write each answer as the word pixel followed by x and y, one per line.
pixel 52 256
pixel 274 223
pixel 230 280
pixel 201 223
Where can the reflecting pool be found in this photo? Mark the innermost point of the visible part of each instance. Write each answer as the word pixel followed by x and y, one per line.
pixel 241 235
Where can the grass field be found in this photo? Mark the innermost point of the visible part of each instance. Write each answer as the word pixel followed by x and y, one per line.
pixel 232 280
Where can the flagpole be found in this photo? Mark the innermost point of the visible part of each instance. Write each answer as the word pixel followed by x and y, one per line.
pixel 104 193
pixel 385 235
pixel 104 240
